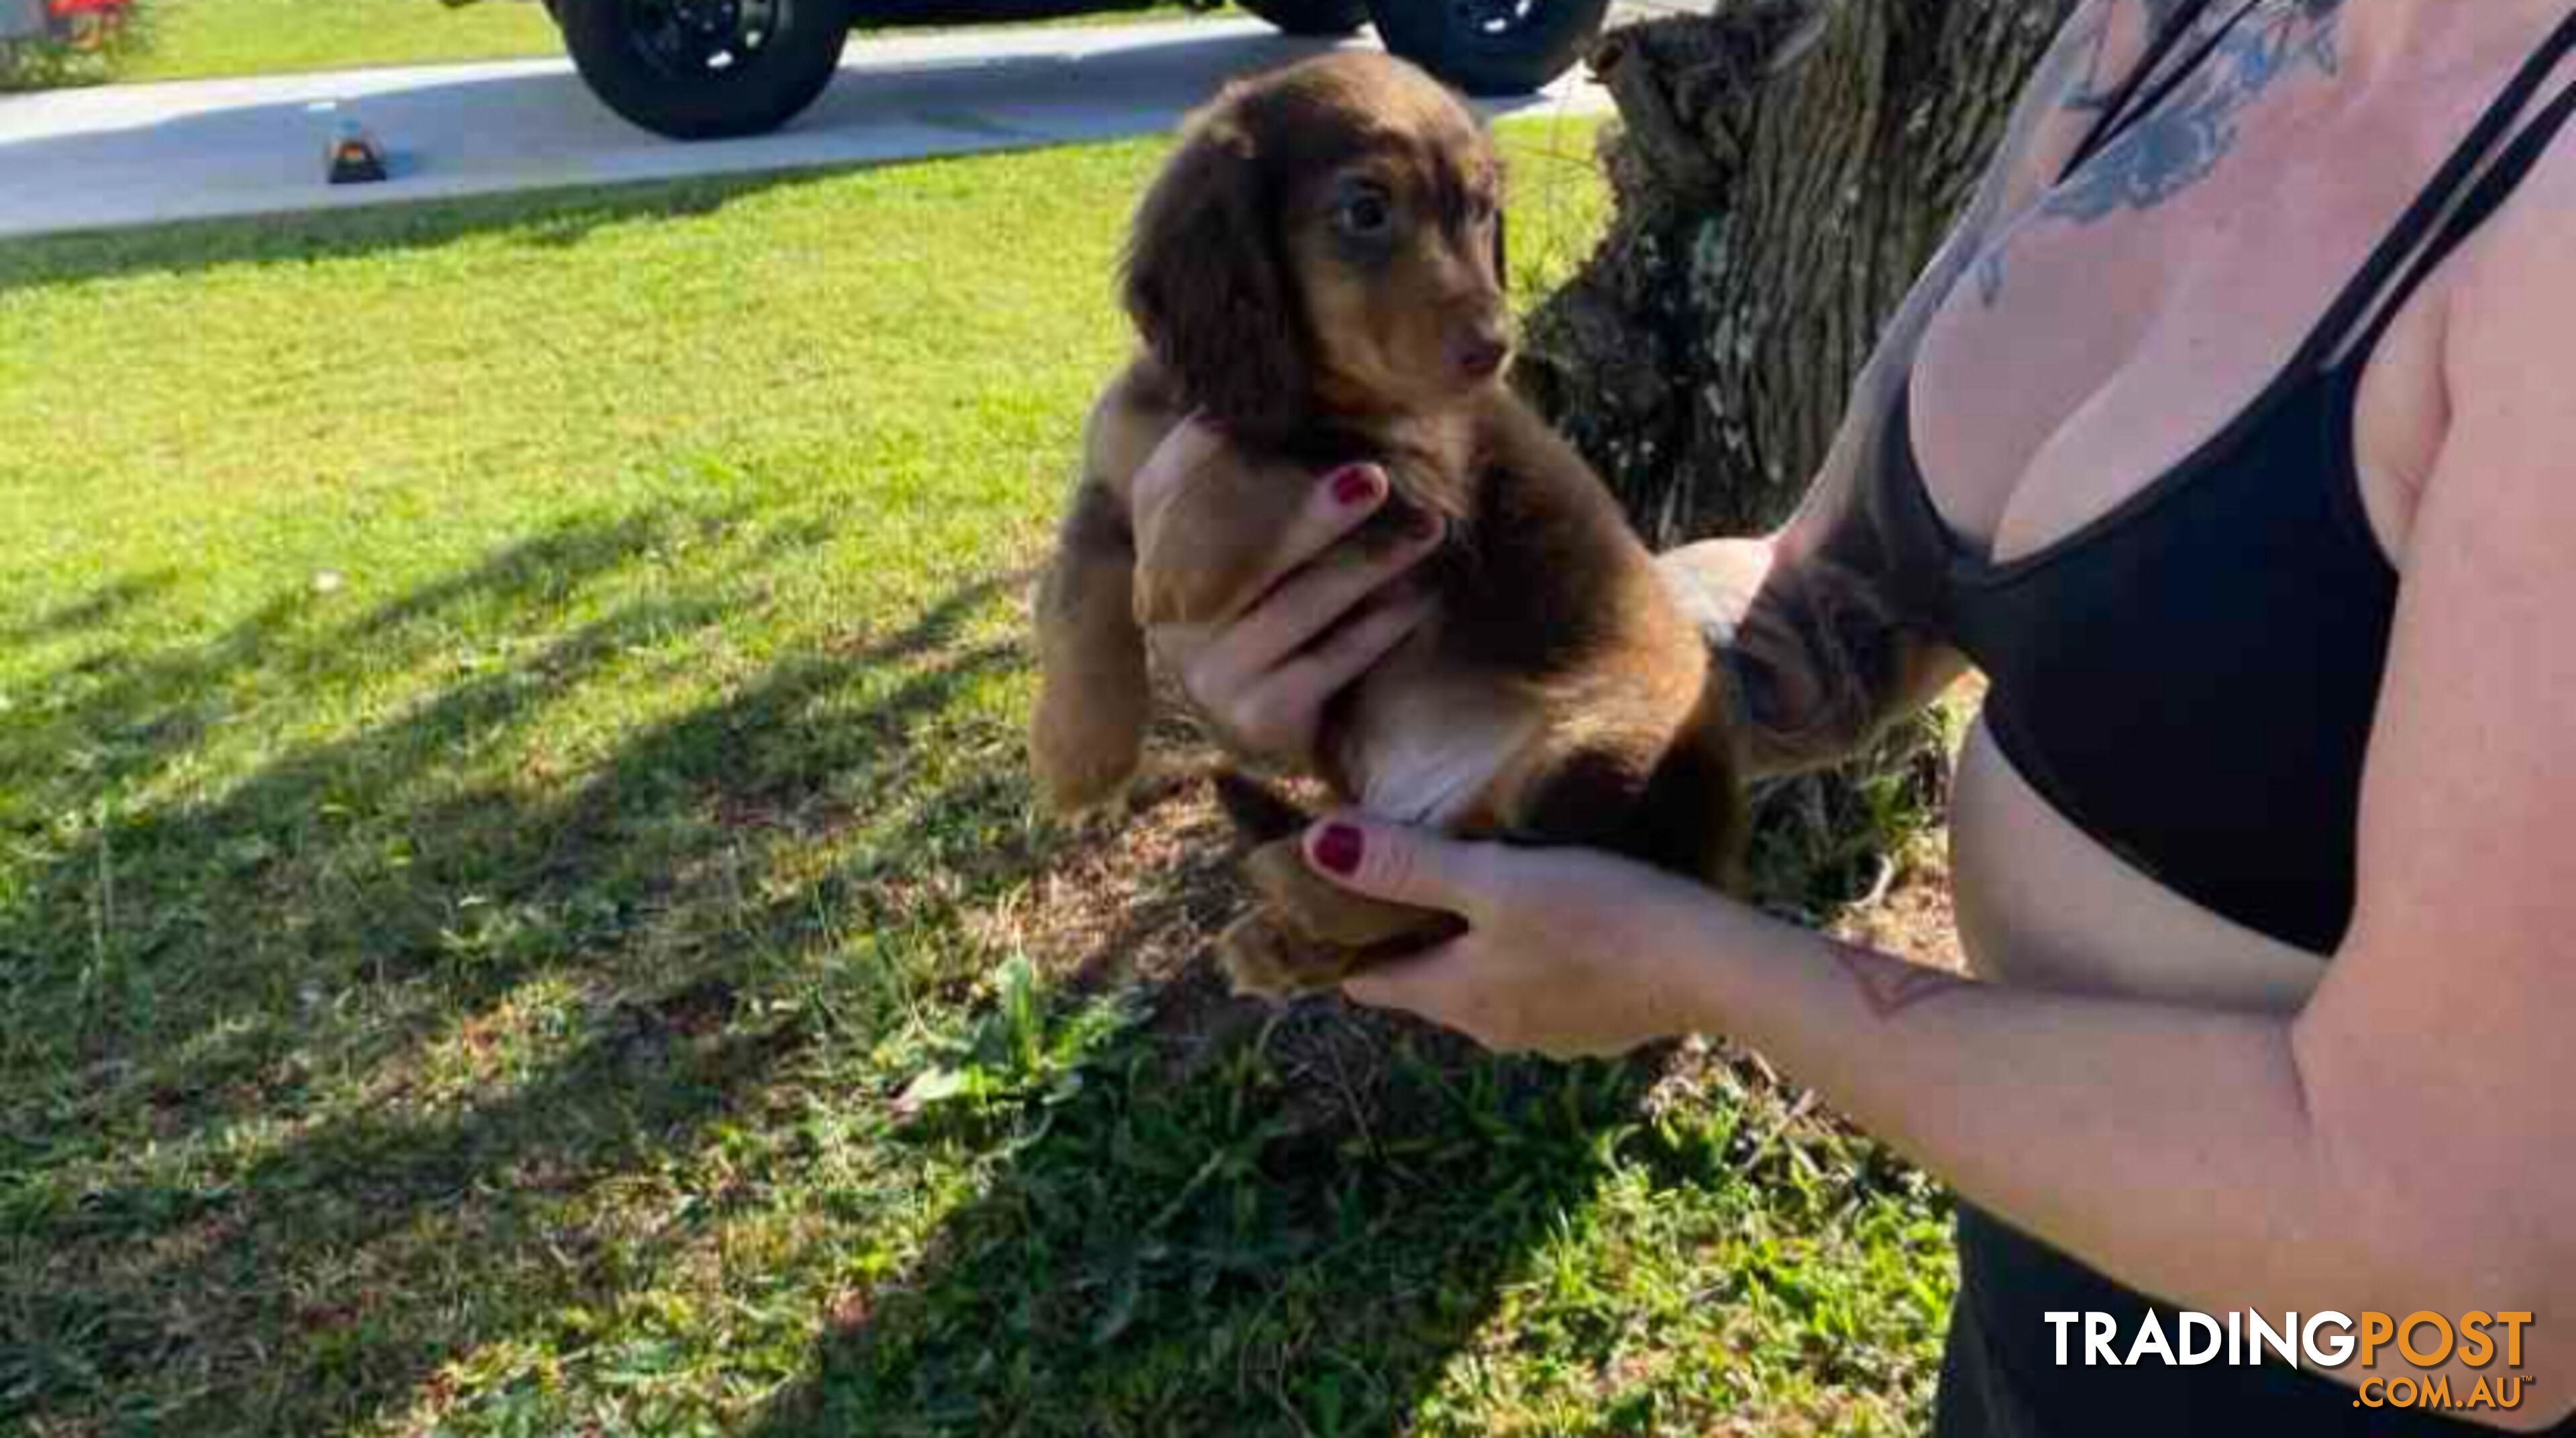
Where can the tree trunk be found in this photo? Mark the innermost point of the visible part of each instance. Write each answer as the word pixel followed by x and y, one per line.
pixel 1783 169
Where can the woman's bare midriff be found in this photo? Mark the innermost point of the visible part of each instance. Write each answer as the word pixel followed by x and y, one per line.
pixel 2035 895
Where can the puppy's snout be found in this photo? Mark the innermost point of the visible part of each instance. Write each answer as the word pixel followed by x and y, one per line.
pixel 1481 349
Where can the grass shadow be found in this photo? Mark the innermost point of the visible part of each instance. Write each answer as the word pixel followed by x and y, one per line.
pixel 1210 1215
pixel 95 610
pixel 1293 1226
pixel 278 1141
pixel 345 1124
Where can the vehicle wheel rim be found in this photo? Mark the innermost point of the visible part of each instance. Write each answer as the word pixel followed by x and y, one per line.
pixel 1491 19
pixel 696 38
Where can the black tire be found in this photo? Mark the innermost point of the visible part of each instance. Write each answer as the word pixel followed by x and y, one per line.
pixel 1310 17
pixel 706 69
pixel 1491 47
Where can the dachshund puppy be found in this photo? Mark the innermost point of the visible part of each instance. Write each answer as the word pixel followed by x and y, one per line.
pixel 1314 273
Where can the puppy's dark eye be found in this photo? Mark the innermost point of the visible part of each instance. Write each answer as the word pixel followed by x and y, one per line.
pixel 1364 213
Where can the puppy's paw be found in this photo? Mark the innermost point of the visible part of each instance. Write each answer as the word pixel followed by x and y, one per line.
pixel 1084 760
pixel 1263 960
pixel 1083 793
pixel 1307 904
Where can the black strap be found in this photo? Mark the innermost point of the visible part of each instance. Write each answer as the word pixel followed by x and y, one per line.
pixel 2119 114
pixel 2493 188
pixel 2433 214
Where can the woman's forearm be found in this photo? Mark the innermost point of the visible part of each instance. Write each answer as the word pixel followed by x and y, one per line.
pixel 2170 1147
pixel 2178 1134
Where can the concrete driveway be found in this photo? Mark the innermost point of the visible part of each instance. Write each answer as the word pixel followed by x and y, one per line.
pixel 141 154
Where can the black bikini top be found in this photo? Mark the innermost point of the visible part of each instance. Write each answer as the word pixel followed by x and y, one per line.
pixel 2192 677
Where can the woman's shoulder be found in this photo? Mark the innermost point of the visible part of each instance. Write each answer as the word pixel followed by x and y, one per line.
pixel 2514 294
pixel 2506 314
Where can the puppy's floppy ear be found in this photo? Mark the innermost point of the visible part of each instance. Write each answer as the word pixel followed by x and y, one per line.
pixel 1205 279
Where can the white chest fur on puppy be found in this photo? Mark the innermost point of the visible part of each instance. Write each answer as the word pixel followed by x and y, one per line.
pixel 1425 754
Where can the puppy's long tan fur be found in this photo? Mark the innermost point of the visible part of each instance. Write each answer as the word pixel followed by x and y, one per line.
pixel 1314 272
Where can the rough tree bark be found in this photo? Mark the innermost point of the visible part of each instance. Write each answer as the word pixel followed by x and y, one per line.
pixel 1783 169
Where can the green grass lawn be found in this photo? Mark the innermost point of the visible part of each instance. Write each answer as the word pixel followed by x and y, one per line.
pixel 194 39
pixel 520 914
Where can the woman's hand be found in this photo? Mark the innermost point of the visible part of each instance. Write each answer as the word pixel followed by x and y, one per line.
pixel 1568 952
pixel 1328 610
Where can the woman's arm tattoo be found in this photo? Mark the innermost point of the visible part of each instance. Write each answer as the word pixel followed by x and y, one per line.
pixel 1891 986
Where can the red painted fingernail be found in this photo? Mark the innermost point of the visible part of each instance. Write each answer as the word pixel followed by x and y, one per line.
pixel 1353 484
pixel 1339 847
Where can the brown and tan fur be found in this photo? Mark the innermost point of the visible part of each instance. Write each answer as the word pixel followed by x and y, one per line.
pixel 1314 272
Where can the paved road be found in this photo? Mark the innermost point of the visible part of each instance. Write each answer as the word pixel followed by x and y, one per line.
pixel 140 154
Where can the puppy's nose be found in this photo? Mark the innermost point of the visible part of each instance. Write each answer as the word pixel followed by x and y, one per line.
pixel 1482 352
